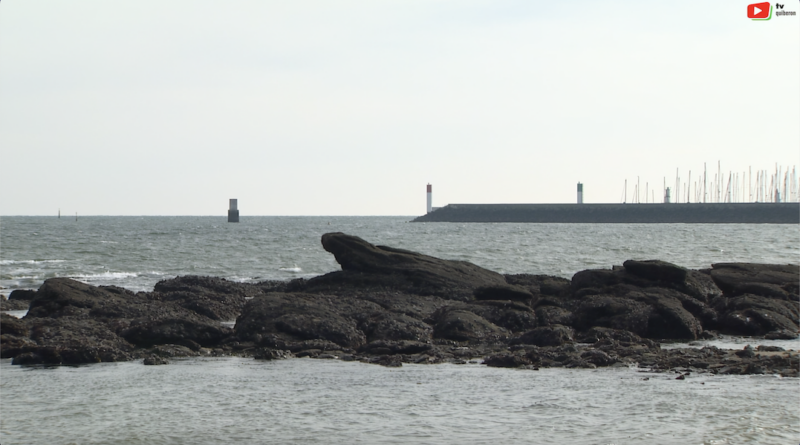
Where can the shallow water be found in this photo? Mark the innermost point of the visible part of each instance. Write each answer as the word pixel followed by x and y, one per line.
pixel 234 400
pixel 734 342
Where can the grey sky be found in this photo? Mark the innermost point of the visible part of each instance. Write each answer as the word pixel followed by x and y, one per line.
pixel 351 107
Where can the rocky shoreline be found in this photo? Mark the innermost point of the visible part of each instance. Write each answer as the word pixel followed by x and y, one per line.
pixel 390 306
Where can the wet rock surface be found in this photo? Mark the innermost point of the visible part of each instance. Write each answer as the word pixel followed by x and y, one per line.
pixel 389 306
pixel 367 265
pixel 18 300
pixel 70 322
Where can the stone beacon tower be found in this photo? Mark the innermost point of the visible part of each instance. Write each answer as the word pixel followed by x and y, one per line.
pixel 233 211
pixel 430 199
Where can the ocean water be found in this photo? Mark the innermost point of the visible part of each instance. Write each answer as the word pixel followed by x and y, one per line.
pixel 234 400
pixel 227 400
pixel 137 252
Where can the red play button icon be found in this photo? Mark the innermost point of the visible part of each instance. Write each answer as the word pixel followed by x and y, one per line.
pixel 759 10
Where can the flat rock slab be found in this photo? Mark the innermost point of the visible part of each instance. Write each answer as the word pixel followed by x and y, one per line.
pixel 410 270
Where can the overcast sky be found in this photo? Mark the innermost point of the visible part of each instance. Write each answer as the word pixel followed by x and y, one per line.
pixel 351 107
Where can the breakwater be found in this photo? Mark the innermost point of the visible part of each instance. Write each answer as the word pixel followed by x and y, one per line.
pixel 704 213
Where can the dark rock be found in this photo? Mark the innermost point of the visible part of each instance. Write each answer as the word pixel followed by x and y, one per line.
pixel 22 294
pixel 126 318
pixel 13 325
pixel 764 289
pixel 656 270
pixel 548 300
pixel 756 315
pixel 394 326
pixel 596 334
pixel 753 322
pixel 595 279
pixel 746 352
pixel 304 317
pixel 313 353
pixel 555 335
pixel 59 297
pixel 783 334
pixel 555 286
pixel 13 305
pixel 499 304
pixel 503 292
pixel 155 360
pixel 172 351
pixel 271 354
pixel 731 370
pixel 651 312
pixel 367 265
pixel 14 337
pixel 215 298
pixel 18 300
pixel 70 340
pixel 551 315
pixel 390 361
pixel 420 307
pixel 68 355
pixel 26 358
pixel 699 285
pixel 510 315
pixel 188 329
pixel 305 345
pixel 670 319
pixel 201 284
pixel 465 352
pixel 544 285
pixel 739 278
pixel 13 345
pixel 754 368
pixel 598 358
pixel 646 274
pixel 563 355
pixel 383 347
pixel 619 347
pixel 462 325
pixel 579 363
pixel 613 312
pixel 506 360
pixel 268 286
pixel 321 325
pixel 529 282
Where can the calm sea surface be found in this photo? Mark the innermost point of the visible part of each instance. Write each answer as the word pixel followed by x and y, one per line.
pixel 227 400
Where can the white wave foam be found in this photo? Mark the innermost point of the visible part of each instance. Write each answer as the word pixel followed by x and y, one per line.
pixel 293 269
pixel 6 262
pixel 18 314
pixel 106 275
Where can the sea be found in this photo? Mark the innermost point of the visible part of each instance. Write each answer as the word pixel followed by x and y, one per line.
pixel 239 400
